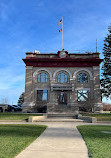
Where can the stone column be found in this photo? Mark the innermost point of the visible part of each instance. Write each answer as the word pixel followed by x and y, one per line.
pixel 97 91
pixel 52 98
pixel 73 104
pixel 28 101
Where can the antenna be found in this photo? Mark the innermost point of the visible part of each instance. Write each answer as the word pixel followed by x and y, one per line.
pixel 96 45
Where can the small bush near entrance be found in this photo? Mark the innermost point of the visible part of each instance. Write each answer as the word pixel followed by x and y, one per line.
pixel 15 138
pixel 98 142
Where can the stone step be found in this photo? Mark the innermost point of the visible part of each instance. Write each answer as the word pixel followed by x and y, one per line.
pixel 54 119
pixel 59 120
pixel 61 115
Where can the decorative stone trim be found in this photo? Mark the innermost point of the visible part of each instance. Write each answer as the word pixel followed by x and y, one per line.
pixel 95 67
pixel 88 89
pixel 72 87
pixel 71 79
pixel 29 67
pixel 42 88
pixel 43 69
pixel 83 69
pixel 62 69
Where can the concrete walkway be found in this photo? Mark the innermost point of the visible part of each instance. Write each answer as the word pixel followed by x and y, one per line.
pixel 59 140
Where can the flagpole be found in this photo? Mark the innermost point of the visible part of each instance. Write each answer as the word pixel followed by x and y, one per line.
pixel 62 33
pixel 96 45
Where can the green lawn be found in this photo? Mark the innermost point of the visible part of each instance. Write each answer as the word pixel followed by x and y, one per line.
pixel 98 143
pixel 16 116
pixel 15 138
pixel 100 117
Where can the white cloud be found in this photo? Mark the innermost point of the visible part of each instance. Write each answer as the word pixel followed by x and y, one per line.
pixel 11 95
pixel 3 11
pixel 9 78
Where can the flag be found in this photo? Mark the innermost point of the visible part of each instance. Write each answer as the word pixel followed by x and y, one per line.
pixel 59 22
pixel 60 30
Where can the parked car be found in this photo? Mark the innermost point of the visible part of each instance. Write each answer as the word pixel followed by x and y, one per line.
pixel 10 108
pixel 19 108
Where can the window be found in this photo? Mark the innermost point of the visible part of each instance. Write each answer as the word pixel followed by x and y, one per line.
pixel 42 77
pixel 62 77
pixel 82 95
pixel 82 78
pixel 42 95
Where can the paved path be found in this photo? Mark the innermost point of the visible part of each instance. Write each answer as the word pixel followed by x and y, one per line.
pixel 59 140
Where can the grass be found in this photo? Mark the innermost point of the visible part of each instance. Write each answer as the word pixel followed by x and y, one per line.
pixel 108 112
pixel 16 116
pixel 15 138
pixel 98 143
pixel 100 117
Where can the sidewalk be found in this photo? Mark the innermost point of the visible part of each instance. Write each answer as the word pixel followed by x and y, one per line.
pixel 59 140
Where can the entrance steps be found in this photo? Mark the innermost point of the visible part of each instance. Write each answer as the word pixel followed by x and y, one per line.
pixel 55 117
pixel 61 115
pixel 59 120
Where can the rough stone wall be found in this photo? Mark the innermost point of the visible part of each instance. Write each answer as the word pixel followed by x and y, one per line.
pixel 28 97
pixel 97 92
pixel 31 86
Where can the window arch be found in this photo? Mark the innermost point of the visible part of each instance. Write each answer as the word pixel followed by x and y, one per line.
pixel 62 78
pixel 82 78
pixel 42 77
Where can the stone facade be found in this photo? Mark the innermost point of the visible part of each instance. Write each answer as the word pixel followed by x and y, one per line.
pixel 71 83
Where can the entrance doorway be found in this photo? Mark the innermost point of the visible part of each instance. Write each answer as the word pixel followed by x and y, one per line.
pixel 62 97
pixel 41 101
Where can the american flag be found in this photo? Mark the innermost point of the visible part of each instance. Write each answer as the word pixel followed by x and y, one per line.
pixel 59 22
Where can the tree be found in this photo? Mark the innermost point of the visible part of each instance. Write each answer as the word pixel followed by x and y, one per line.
pixel 106 67
pixel 21 99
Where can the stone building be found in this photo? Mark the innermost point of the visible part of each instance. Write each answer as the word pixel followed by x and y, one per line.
pixel 62 82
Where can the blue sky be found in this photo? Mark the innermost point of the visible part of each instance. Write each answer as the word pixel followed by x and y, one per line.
pixel 26 25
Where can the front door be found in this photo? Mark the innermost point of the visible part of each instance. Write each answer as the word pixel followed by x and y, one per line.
pixel 62 97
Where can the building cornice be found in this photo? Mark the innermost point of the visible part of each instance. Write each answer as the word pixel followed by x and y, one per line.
pixel 62 62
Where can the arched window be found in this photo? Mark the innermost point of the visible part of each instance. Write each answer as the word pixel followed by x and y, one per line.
pixel 82 78
pixel 42 77
pixel 62 77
